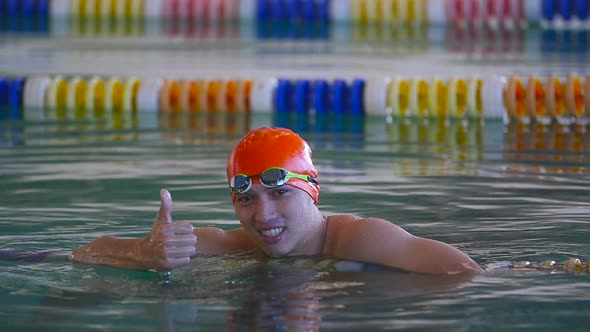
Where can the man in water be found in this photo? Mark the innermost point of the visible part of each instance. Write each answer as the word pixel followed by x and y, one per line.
pixel 274 188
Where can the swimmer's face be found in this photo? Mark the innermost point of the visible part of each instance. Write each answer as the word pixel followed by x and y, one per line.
pixel 277 219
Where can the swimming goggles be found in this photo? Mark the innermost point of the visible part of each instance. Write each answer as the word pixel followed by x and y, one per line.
pixel 271 178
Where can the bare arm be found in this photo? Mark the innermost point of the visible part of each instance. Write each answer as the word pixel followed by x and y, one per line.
pixel 168 245
pixel 215 241
pixel 112 251
pixel 379 241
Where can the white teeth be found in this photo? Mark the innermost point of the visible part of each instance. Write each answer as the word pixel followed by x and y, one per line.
pixel 272 232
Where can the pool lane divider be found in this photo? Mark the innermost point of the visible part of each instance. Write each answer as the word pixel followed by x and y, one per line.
pixel 304 96
pixel 438 98
pixel 570 265
pixel 512 98
pixel 114 94
pixel 547 99
pixel 119 16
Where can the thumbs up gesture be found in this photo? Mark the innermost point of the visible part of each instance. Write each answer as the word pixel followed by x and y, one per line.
pixel 169 245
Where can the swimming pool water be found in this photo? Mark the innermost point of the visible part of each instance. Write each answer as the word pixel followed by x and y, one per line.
pixel 501 193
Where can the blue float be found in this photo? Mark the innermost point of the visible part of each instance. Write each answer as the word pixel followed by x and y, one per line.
pixel 548 9
pixel 4 98
pixel 301 96
pixel 357 96
pixel 263 9
pixel 321 97
pixel 279 11
pixel 15 98
pixel 4 92
pixel 309 11
pixel 43 8
pixel 13 8
pixel 340 97
pixel 28 8
pixel 323 11
pixel 565 9
pixel 294 10
pixel 283 96
pixel 582 9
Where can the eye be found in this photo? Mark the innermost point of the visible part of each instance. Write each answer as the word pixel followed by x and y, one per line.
pixel 244 199
pixel 281 191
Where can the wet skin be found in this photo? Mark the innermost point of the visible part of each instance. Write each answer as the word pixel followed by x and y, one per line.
pixel 282 221
pixel 277 222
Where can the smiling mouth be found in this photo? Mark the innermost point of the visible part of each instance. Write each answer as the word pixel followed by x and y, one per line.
pixel 272 232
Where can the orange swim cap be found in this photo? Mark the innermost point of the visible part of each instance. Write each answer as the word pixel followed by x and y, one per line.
pixel 264 148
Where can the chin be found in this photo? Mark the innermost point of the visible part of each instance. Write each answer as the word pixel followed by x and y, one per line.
pixel 276 253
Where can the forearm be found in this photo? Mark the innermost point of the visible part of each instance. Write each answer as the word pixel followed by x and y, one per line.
pixel 111 251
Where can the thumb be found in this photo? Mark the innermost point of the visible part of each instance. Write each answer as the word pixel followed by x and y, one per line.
pixel 165 214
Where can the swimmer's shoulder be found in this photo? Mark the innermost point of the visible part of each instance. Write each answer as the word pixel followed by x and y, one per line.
pixel 341 233
pixel 343 224
pixel 339 221
pixel 337 226
pixel 349 219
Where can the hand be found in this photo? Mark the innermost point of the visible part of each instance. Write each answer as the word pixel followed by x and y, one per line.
pixel 169 245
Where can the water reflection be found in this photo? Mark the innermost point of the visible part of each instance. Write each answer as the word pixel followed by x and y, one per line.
pixel 434 138
pixel 24 25
pixel 547 148
pixel 51 126
pixel 558 42
pixel 327 131
pixel 65 126
pixel 303 297
pixel 215 124
pixel 11 134
pixel 512 44
pixel 565 146
pixel 277 299
pixel 240 294
pixel 478 41
pixel 485 41
pixel 321 123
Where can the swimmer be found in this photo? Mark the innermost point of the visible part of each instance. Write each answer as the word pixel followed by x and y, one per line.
pixel 275 189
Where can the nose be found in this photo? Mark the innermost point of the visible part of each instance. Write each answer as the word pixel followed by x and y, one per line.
pixel 266 210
